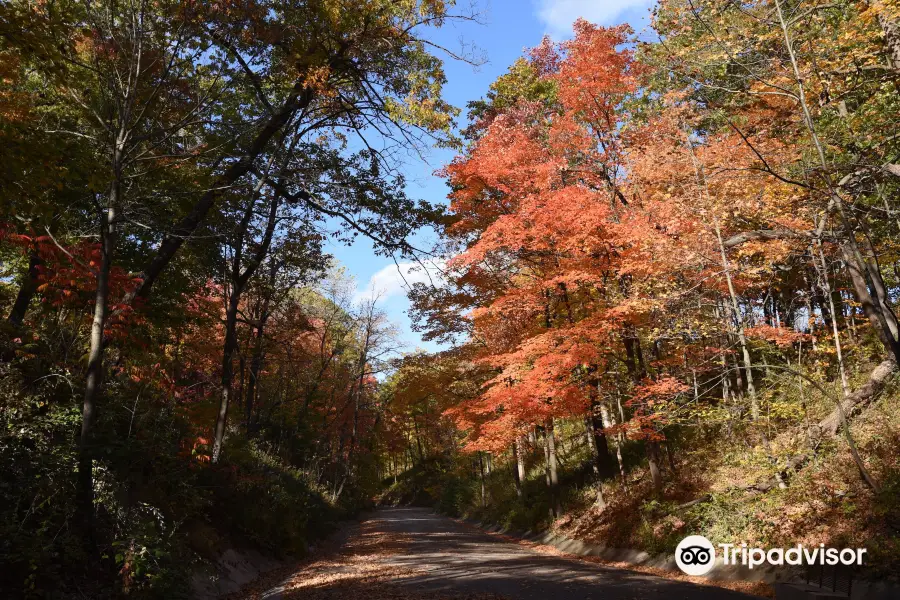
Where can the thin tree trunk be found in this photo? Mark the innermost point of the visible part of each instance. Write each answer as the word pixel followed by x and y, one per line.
pixel 546 461
pixel 598 479
pixel 618 440
pixel 845 386
pixel 418 440
pixel 242 378
pixel 891 32
pixel 738 321
pixel 653 462
pixel 94 376
pixel 700 426
pixel 26 290
pixel 257 358
pixel 670 456
pixel 239 281
pixel 745 352
pixel 518 469
pixel 602 457
pixel 552 467
pixel 738 324
pixel 252 385
pixel 227 368
pixel 809 440
pixel 881 322
pixel 726 395
pixel 481 470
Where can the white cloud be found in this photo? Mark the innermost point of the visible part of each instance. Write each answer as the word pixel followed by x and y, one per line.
pixel 558 15
pixel 393 280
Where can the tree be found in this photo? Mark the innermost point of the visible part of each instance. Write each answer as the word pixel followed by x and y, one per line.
pixel 129 79
pixel 542 215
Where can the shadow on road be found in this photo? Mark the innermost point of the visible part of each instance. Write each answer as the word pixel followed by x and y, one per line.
pixel 412 554
pixel 447 555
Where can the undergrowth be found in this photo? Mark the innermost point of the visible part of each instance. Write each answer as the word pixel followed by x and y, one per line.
pixel 825 502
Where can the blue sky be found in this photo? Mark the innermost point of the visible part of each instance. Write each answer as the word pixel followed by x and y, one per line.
pixel 507 28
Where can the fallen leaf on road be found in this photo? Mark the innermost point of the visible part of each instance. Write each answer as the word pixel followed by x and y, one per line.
pixel 351 566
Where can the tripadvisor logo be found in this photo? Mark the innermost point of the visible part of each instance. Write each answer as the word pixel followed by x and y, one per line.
pixel 695 555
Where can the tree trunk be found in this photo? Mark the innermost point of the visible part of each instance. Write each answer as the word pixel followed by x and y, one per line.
pixel 602 457
pixel 481 470
pixel 742 339
pixel 418 440
pixel 227 368
pixel 546 461
pixel 239 281
pixel 94 376
pixel 250 394
pixel 618 438
pixel 26 290
pixel 598 478
pixel 242 378
pixel 738 324
pixel 634 354
pixel 552 467
pixel 257 359
pixel 655 471
pixel 883 322
pixel 670 456
pixel 845 386
pixel 518 469
pixel 891 32
pixel 726 396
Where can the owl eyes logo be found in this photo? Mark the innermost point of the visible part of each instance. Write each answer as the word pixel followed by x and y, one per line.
pixel 695 555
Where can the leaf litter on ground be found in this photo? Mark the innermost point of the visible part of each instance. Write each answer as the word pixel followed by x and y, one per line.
pixel 351 564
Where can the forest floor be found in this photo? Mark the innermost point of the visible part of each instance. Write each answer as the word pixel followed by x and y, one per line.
pixel 413 554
